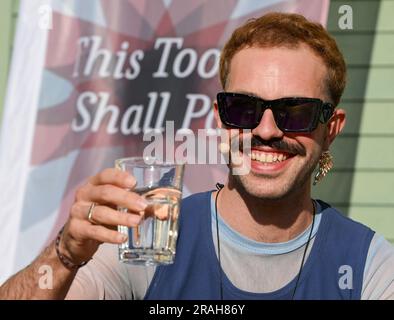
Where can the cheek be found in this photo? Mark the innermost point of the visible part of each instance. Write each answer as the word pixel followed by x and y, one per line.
pixel 310 142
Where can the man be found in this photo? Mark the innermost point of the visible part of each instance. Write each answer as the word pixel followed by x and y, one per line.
pixel 261 236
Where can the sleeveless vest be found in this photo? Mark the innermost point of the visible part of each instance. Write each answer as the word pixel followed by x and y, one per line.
pixel 333 270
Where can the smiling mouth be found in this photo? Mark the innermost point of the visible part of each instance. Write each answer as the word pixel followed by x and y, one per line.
pixel 269 157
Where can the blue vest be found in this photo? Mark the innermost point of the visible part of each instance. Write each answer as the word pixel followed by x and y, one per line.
pixel 333 270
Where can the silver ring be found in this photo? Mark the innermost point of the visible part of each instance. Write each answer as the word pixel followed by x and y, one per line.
pixel 90 213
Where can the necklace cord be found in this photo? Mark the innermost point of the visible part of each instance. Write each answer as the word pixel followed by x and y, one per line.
pixel 219 187
pixel 305 250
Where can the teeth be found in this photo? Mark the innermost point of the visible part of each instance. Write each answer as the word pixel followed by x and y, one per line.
pixel 268 157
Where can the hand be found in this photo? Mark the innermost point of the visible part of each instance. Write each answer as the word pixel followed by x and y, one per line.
pixel 108 189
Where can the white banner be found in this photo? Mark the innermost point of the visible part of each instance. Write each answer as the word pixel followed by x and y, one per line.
pixel 87 79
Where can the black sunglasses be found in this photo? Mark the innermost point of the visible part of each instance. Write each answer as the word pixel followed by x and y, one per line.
pixel 244 111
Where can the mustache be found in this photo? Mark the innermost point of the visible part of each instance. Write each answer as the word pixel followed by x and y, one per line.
pixel 278 144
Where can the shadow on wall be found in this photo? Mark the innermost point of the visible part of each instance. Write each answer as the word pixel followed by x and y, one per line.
pixel 357 46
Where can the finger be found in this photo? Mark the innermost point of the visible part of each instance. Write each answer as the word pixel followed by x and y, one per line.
pixel 109 217
pixel 103 234
pixel 118 197
pixel 115 177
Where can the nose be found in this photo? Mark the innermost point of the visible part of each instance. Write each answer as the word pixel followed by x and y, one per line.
pixel 267 128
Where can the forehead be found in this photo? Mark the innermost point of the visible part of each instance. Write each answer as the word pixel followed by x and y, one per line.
pixel 273 73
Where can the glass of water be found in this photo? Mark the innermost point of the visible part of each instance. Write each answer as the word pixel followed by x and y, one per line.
pixel 153 241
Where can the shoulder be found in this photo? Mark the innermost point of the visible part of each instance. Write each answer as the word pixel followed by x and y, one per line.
pixel 342 224
pixel 378 280
pixel 378 271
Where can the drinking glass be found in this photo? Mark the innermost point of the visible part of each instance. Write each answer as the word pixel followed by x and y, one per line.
pixel 153 241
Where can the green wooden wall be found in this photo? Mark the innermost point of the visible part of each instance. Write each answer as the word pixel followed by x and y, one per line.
pixel 373 186
pixel 362 181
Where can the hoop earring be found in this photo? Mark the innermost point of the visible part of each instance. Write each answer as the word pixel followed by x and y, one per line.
pixel 325 164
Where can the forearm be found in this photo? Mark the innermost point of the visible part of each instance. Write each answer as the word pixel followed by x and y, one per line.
pixel 44 278
pixel 47 277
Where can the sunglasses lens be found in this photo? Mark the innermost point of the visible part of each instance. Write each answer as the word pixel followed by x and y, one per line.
pixel 291 114
pixel 295 115
pixel 242 111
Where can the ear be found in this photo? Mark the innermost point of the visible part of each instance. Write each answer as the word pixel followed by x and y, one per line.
pixel 216 114
pixel 334 127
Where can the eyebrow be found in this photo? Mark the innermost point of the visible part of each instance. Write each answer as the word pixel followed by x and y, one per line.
pixel 249 93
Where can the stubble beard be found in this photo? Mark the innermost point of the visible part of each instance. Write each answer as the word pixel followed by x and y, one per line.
pixel 276 188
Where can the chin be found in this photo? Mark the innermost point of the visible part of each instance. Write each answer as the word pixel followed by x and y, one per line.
pixel 278 180
pixel 273 188
pixel 262 188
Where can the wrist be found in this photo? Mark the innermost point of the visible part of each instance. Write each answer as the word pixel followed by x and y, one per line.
pixel 65 259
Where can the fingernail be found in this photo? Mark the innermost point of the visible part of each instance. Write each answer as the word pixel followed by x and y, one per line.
pixel 122 237
pixel 142 204
pixel 134 220
pixel 130 181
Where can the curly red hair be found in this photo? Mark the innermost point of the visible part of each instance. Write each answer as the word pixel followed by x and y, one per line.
pixel 289 30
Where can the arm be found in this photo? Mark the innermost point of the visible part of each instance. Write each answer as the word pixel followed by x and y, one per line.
pixel 378 283
pixel 26 283
pixel 81 237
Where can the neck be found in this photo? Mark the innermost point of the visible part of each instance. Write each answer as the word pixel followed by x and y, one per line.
pixel 266 220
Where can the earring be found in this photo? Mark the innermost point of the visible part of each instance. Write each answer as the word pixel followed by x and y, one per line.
pixel 325 164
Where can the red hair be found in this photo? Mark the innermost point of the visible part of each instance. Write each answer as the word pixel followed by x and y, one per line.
pixel 289 30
